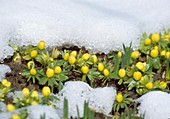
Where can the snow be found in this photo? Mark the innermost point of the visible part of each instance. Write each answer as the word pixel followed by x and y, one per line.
pixel 154 105
pixel 77 92
pixel 98 25
pixel 34 112
pixel 3 70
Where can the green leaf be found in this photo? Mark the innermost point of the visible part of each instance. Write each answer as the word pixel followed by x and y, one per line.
pixel 55 53
pixel 65 106
pixel 27 57
pixel 120 81
pixel 131 84
pixel 84 78
pixel 40 59
pixel 63 77
pixel 167 75
pixel 60 86
pixel 51 82
pixel 43 81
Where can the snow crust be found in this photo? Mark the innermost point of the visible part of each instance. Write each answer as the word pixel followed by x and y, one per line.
pixel 3 70
pixel 34 112
pixel 96 24
pixel 155 105
pixel 77 92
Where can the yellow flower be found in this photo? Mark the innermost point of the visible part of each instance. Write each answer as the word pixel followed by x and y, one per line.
pixel 155 37
pixel 4 81
pixel 26 92
pixel 149 85
pixel 167 37
pixel 135 54
pixel 119 54
pixel 167 55
pixel 33 72
pixel 34 53
pixel 94 58
pixel 106 72
pixel 140 66
pixel 57 69
pixel 137 75
pixel 71 59
pixel 119 97
pixel 30 64
pixel 16 116
pixel 46 91
pixel 85 69
pixel 162 85
pixel 154 53
pixel 163 53
pixel 156 47
pixel 49 73
pixel 73 53
pixel 41 45
pixel 10 107
pixel 66 56
pixel 86 56
pixel 51 59
pixel 34 103
pixel 122 73
pixel 100 66
pixel 148 41
pixel 34 94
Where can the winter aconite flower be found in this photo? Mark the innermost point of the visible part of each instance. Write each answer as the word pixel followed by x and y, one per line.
pixel 41 45
pixel 154 53
pixel 100 66
pixel 33 72
pixel 73 53
pixel 162 85
pixel 6 83
pixel 86 56
pixel 155 37
pixel 26 92
pixel 148 41
pixel 137 75
pixel 49 72
pixel 16 116
pixel 57 69
pixel 85 69
pixel 46 91
pixel 34 94
pixel 141 66
pixel 135 54
pixel 106 72
pixel 94 58
pixel 149 85
pixel 30 64
pixel 119 54
pixel 10 107
pixel 122 73
pixel 71 59
pixel 34 53
pixel 66 56
pixel 119 97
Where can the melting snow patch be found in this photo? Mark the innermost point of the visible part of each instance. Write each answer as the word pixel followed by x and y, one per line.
pixel 3 70
pixel 34 112
pixel 77 92
pixel 98 25
pixel 155 105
